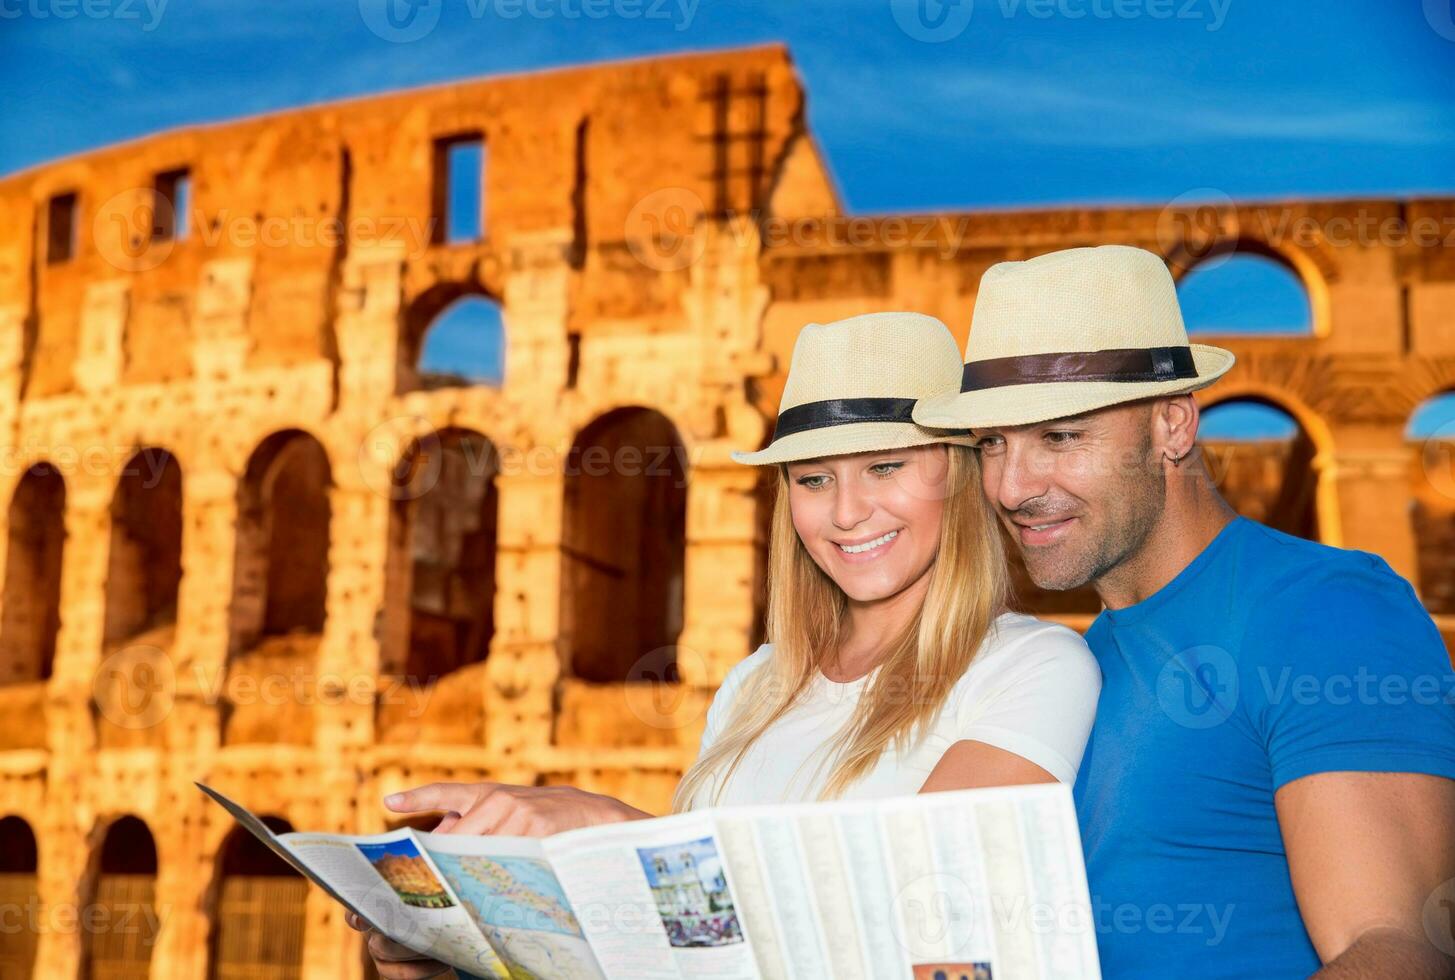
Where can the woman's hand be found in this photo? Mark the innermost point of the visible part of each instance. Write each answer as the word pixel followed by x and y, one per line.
pixel 396 962
pixel 518 811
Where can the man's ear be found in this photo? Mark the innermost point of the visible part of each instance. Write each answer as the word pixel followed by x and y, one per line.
pixel 1179 417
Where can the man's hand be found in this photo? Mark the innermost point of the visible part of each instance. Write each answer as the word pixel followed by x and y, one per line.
pixel 1366 850
pixel 518 811
pixel 396 962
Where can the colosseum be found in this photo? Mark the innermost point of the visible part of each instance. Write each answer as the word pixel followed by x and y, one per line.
pixel 252 539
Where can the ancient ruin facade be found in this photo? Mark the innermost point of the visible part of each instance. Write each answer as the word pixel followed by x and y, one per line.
pixel 250 541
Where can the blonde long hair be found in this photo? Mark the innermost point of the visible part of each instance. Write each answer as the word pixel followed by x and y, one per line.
pixel 968 587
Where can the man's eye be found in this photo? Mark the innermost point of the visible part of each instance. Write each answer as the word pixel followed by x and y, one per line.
pixel 1061 437
pixel 988 442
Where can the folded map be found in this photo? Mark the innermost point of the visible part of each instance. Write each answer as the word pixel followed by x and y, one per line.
pixel 984 884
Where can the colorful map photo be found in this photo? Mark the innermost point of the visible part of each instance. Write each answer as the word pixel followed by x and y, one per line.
pixel 510 892
pixel 401 865
pixel 692 894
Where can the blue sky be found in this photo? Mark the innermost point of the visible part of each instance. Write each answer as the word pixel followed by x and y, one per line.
pixel 1026 103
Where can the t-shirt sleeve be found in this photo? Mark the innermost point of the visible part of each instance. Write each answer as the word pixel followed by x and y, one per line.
pixel 720 710
pixel 1040 702
pixel 1348 673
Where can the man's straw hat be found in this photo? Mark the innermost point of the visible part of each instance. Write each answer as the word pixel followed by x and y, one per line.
pixel 853 384
pixel 1071 332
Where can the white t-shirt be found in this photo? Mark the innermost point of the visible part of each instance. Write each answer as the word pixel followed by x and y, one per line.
pixel 1031 690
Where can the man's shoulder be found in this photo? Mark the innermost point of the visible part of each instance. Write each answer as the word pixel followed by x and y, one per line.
pixel 1303 593
pixel 1283 567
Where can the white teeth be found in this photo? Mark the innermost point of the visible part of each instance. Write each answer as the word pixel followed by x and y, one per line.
pixel 857 549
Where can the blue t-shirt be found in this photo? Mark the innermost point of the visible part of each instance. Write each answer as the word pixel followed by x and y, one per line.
pixel 1267 658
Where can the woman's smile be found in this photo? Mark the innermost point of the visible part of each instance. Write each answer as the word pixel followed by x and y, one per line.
pixel 867 549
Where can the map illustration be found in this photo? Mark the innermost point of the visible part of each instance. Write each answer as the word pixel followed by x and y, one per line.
pixel 510 892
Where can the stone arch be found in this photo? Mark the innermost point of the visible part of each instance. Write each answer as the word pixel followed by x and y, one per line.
pixel 258 910
pixel 144 567
pixel 30 618
pixel 1265 461
pixel 623 545
pixel 19 889
pixel 453 336
pixel 282 538
pixel 1431 432
pixel 122 894
pixel 280 585
pixel 441 579
pixel 1310 270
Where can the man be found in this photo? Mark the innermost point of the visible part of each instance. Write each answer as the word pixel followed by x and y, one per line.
pixel 1269 789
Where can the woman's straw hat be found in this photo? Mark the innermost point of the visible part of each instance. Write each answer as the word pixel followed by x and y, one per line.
pixel 853 384
pixel 1071 332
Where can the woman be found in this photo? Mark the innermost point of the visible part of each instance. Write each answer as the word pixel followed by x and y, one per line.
pixel 895 667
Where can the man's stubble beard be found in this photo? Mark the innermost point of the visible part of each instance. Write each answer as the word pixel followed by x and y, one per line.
pixel 1114 546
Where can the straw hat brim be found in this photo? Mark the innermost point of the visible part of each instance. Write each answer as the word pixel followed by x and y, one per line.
pixel 840 440
pixel 1031 404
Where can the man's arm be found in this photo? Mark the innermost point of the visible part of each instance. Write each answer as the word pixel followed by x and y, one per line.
pixel 1366 850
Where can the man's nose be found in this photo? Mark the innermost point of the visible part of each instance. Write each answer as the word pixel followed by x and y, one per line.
pixel 1023 476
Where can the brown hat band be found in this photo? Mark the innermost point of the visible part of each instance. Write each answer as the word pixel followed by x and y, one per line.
pixel 1117 364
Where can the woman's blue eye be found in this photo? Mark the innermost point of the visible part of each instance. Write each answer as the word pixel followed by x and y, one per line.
pixel 884 469
pixel 812 482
